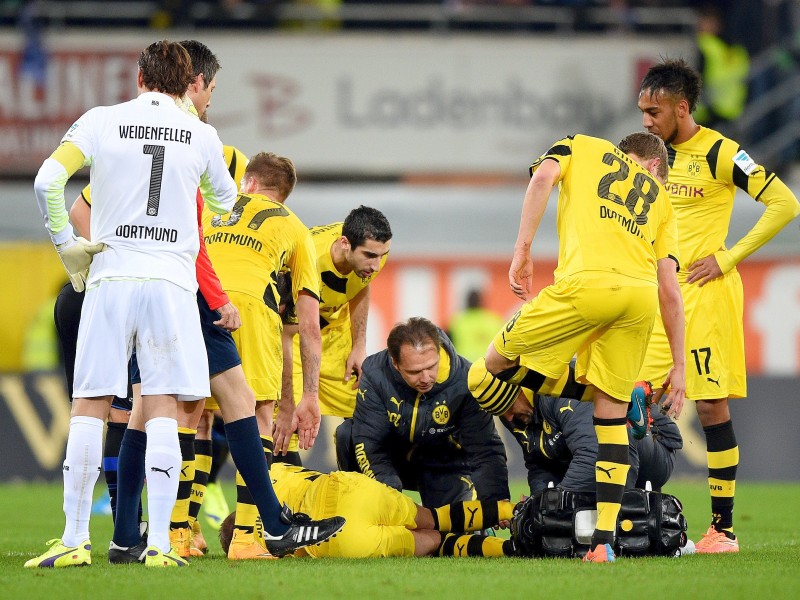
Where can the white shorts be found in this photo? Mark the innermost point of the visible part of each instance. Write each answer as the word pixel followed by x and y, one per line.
pixel 157 318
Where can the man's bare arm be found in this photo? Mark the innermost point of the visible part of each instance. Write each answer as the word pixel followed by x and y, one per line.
pixel 306 417
pixel 81 215
pixel 282 432
pixel 359 312
pixel 520 274
pixel 671 303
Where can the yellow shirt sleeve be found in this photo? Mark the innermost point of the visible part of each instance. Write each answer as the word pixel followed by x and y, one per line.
pixel 782 208
pixel 303 265
pixel 666 244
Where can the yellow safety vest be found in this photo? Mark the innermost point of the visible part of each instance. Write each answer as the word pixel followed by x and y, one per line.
pixel 724 78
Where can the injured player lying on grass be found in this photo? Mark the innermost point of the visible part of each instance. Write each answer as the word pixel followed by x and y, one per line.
pixel 383 522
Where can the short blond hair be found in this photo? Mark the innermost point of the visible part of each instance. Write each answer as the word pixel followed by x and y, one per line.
pixel 272 171
pixel 645 145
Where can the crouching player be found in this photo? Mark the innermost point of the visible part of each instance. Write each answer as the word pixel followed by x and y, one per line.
pixel 381 521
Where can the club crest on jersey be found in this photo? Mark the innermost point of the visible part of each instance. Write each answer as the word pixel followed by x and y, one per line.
pixel 441 414
pixel 742 160
pixel 693 169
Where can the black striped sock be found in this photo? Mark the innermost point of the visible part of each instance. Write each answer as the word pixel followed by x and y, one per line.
pixel 470 515
pixel 522 376
pixel 202 465
pixel 723 460
pixel 474 545
pixel 611 472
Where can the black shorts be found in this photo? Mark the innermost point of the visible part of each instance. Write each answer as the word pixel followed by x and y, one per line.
pixel 220 347
pixel 67 316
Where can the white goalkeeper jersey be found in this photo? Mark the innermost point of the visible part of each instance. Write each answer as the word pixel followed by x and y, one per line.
pixel 147 160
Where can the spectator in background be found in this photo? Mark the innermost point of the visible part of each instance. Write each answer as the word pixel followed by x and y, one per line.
pixel 225 13
pixel 474 328
pixel 725 68
pixel 33 63
pixel 320 15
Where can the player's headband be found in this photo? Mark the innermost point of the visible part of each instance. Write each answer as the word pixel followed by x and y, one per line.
pixel 494 395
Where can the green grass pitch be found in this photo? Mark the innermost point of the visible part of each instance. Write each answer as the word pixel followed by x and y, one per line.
pixel 767 568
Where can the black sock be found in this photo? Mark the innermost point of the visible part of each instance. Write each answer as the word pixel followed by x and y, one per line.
pixel 129 487
pixel 113 441
pixel 202 452
pixel 290 458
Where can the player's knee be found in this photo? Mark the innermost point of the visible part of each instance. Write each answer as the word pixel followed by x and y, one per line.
pixel 205 425
pixel 117 415
pixel 189 414
pixel 426 541
pixel 264 412
pixel 244 395
pixel 496 362
pixel 712 412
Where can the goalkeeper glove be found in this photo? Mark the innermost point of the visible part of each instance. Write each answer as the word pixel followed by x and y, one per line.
pixel 76 256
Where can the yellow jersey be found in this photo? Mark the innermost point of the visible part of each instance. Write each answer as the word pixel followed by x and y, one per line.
pixel 291 483
pixel 704 173
pixel 336 290
pixel 613 216
pixel 255 241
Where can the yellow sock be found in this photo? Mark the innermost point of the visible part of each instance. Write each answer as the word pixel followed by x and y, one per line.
pixel 471 515
pixel 246 509
pixel 202 467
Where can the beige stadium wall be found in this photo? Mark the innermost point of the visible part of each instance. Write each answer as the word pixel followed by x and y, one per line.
pixel 355 103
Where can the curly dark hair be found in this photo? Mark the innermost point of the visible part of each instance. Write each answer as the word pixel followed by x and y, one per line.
pixel 676 78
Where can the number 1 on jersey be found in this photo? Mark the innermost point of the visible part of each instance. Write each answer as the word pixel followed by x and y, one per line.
pixel 156 173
